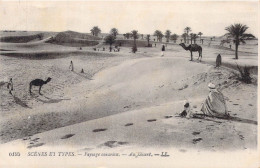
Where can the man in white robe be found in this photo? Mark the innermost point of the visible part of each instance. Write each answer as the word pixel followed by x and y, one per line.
pixel 215 105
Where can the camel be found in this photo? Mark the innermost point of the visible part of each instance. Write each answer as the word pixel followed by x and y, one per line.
pixel 38 82
pixel 191 48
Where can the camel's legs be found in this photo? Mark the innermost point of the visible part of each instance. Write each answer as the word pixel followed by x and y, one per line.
pixel 40 90
pixel 30 89
pixel 200 55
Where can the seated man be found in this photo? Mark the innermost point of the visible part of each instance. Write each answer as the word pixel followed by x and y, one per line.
pixel 215 105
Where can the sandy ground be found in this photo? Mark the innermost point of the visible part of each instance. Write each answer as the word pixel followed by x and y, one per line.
pixel 125 101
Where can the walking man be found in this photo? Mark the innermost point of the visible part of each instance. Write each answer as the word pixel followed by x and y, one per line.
pixel 163 49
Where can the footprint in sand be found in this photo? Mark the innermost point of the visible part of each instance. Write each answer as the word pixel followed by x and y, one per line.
pixel 235 104
pixel 35 145
pixel 241 137
pixel 67 136
pixel 195 133
pixel 129 124
pixel 129 106
pixel 167 116
pixel 113 144
pixel 183 150
pixel 250 104
pixel 99 130
pixel 194 141
pixel 35 139
pixel 151 120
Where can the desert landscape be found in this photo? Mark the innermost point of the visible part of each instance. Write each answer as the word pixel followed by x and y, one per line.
pixel 124 93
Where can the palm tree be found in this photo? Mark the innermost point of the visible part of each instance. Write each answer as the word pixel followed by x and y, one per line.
pixel 127 35
pixel 134 34
pixel 174 37
pixel 158 34
pixel 184 35
pixel 191 37
pixel 187 30
pixel 114 32
pixel 148 39
pixel 110 39
pixel 200 34
pixel 167 35
pixel 142 35
pixel 194 37
pixel 237 33
pixel 95 31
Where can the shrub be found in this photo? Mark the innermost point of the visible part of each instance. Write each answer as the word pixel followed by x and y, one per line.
pixel 244 74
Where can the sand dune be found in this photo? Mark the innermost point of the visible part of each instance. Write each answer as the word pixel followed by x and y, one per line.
pixel 123 100
pixel 149 94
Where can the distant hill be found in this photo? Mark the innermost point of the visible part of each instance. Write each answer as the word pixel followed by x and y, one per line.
pixel 23 36
pixel 21 39
pixel 72 38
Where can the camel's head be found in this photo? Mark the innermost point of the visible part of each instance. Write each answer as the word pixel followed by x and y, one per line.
pixel 48 80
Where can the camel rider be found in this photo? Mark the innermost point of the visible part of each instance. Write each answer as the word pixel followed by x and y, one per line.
pixel 163 49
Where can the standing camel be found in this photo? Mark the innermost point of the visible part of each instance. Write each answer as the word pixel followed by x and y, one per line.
pixel 38 82
pixel 191 48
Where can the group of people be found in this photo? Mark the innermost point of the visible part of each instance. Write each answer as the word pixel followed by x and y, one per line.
pixel 116 49
pixel 213 106
pixel 71 67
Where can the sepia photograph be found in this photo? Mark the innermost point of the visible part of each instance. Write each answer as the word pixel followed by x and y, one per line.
pixel 107 84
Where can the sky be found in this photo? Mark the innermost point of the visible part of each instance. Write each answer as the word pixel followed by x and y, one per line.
pixel 210 18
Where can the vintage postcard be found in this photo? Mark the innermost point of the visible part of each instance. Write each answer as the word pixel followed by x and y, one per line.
pixel 129 84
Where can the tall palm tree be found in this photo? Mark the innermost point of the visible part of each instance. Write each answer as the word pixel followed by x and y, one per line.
pixel 174 37
pixel 237 33
pixel 187 30
pixel 114 32
pixel 95 31
pixel 134 34
pixel 200 34
pixel 167 35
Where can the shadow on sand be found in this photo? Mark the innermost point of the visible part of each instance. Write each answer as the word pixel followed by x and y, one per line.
pixel 20 102
pixel 83 75
pixel 50 100
pixel 218 120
